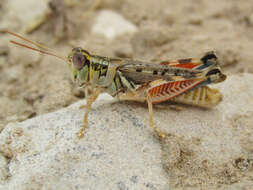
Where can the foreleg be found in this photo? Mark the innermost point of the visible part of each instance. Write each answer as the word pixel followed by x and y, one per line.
pixel 90 98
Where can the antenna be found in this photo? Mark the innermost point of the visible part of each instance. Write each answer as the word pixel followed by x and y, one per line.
pixel 40 48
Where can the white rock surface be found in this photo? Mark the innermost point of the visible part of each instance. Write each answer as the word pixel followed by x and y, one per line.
pixel 22 13
pixel 204 148
pixel 3 168
pixel 111 24
pixel 116 152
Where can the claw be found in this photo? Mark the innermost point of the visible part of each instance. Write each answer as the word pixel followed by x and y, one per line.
pixel 81 132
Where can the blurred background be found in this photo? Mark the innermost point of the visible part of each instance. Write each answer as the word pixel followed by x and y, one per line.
pixel 153 30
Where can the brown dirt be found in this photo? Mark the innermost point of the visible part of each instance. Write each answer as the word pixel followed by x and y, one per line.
pixel 32 84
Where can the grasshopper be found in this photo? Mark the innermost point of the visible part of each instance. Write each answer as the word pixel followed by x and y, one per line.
pixel 184 80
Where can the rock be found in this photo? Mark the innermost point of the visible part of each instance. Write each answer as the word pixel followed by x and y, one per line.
pixel 21 13
pixel 251 19
pixel 203 149
pixel 212 147
pixel 3 168
pixel 2 61
pixel 115 153
pixel 195 20
pixel 111 24
pixel 148 41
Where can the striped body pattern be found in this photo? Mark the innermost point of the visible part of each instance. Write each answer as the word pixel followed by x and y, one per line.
pixel 171 90
pixel 183 80
pixel 202 96
pixel 164 81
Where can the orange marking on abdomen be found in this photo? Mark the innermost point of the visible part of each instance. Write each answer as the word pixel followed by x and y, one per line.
pixel 186 65
pixel 166 88
pixel 159 90
pixel 154 91
pixel 162 89
pixel 168 97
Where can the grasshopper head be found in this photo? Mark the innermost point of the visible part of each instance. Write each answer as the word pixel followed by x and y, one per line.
pixel 79 61
pixel 213 72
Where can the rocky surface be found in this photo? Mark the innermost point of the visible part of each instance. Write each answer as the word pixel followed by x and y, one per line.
pixel 20 13
pixel 111 25
pixel 203 149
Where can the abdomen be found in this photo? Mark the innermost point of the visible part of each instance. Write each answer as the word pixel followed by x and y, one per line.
pixel 202 96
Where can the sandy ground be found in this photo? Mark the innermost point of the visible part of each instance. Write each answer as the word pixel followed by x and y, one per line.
pixel 31 84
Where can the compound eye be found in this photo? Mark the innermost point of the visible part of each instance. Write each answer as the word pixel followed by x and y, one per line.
pixel 79 60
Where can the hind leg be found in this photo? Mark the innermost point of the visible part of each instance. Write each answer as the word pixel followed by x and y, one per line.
pixel 151 120
pixel 142 95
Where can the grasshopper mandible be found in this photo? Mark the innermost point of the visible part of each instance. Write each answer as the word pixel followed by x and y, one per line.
pixel 183 80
